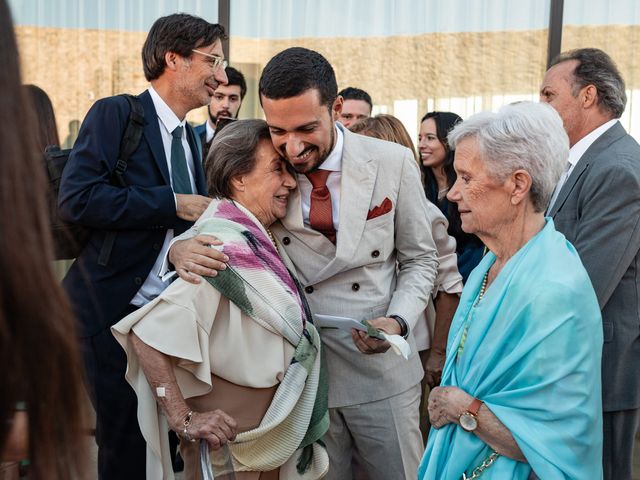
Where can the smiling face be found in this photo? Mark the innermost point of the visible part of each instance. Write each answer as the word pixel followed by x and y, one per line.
pixel 483 201
pixel 432 151
pixel 265 190
pixel 302 129
pixel 352 111
pixel 198 78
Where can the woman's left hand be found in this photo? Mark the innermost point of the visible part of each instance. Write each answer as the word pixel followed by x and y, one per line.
pixel 446 404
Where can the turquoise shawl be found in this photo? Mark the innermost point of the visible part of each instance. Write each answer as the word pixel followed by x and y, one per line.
pixel 532 354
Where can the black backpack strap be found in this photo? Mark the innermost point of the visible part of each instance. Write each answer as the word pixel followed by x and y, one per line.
pixel 129 144
pixel 130 139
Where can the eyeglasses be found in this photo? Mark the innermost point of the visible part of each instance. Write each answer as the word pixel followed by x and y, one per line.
pixel 216 61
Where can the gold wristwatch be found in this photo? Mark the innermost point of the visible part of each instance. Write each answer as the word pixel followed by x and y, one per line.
pixel 469 419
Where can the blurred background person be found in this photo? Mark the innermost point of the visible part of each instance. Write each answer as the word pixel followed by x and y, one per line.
pixel 41 399
pixel 225 103
pixel 46 132
pixel 356 106
pixel 45 135
pixel 74 129
pixel 432 331
pixel 439 177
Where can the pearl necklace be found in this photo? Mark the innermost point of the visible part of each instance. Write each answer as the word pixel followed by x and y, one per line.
pixel 483 287
pixel 463 339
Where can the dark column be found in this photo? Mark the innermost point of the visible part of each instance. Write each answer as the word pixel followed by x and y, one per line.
pixel 555 29
pixel 223 19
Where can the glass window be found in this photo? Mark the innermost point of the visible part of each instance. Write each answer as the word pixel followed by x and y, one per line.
pixel 81 50
pixel 411 56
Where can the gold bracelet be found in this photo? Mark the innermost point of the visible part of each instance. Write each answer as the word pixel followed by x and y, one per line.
pixel 185 424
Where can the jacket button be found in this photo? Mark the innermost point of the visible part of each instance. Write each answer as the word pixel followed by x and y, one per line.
pixel 355 287
pixel 156 247
pixel 137 281
pixel 375 253
pixel 308 289
pixel 286 240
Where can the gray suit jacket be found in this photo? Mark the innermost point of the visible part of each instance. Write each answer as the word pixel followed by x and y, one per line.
pixel 598 210
pixel 381 266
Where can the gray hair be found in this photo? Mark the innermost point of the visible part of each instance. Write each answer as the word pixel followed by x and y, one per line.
pixel 596 68
pixel 521 136
pixel 233 153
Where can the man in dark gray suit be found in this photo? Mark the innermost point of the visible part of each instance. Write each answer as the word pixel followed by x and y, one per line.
pixel 597 206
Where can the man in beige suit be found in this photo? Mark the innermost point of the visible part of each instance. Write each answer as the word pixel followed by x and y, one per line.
pixel 362 246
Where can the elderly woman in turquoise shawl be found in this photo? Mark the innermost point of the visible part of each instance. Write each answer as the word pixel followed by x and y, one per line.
pixel 234 361
pixel 520 392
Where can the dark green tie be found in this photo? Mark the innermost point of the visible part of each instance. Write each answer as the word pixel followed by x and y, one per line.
pixel 179 170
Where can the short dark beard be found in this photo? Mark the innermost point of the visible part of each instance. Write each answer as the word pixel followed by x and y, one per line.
pixel 328 152
pixel 214 120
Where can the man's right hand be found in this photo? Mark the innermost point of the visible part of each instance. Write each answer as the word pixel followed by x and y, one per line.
pixel 190 207
pixel 195 257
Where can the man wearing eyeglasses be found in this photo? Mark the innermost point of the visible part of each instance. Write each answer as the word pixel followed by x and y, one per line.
pixel 225 104
pixel 165 192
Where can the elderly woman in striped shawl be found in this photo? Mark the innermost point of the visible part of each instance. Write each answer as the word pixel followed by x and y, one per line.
pixel 232 364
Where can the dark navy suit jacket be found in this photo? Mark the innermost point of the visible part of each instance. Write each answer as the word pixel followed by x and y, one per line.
pixel 140 213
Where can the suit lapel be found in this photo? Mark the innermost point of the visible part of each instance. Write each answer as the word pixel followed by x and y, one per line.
pixel 568 185
pixel 592 155
pixel 152 135
pixel 356 190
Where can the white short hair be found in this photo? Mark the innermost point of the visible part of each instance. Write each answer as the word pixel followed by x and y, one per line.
pixel 523 135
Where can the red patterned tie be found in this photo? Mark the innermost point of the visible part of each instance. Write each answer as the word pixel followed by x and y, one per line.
pixel 320 214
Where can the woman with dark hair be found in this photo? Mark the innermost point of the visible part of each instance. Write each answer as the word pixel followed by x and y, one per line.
pixel 46 131
pixel 41 402
pixel 439 176
pixel 234 359
pixel 45 134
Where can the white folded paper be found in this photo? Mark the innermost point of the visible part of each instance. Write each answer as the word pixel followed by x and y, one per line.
pixel 343 323
pixel 398 344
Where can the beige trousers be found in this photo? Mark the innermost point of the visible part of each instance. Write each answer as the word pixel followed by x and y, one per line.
pixel 385 434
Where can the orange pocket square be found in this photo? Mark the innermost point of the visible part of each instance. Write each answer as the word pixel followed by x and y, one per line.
pixel 384 207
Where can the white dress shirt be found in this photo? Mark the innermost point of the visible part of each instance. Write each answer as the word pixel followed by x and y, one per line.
pixel 209 131
pixel 333 162
pixel 168 121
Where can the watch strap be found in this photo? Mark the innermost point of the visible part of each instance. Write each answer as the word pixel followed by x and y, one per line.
pixel 404 326
pixel 474 407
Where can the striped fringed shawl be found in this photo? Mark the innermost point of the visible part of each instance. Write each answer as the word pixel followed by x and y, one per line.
pixel 259 283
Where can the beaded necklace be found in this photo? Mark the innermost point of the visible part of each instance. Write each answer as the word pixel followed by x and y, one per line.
pixel 463 340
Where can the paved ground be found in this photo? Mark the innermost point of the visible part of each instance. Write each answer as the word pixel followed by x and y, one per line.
pixel 636 470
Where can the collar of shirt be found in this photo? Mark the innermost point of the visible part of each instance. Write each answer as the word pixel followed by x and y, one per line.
pixel 333 161
pixel 210 131
pixel 168 119
pixel 577 151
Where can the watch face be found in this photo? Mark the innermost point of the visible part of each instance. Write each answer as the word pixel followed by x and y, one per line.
pixel 468 422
